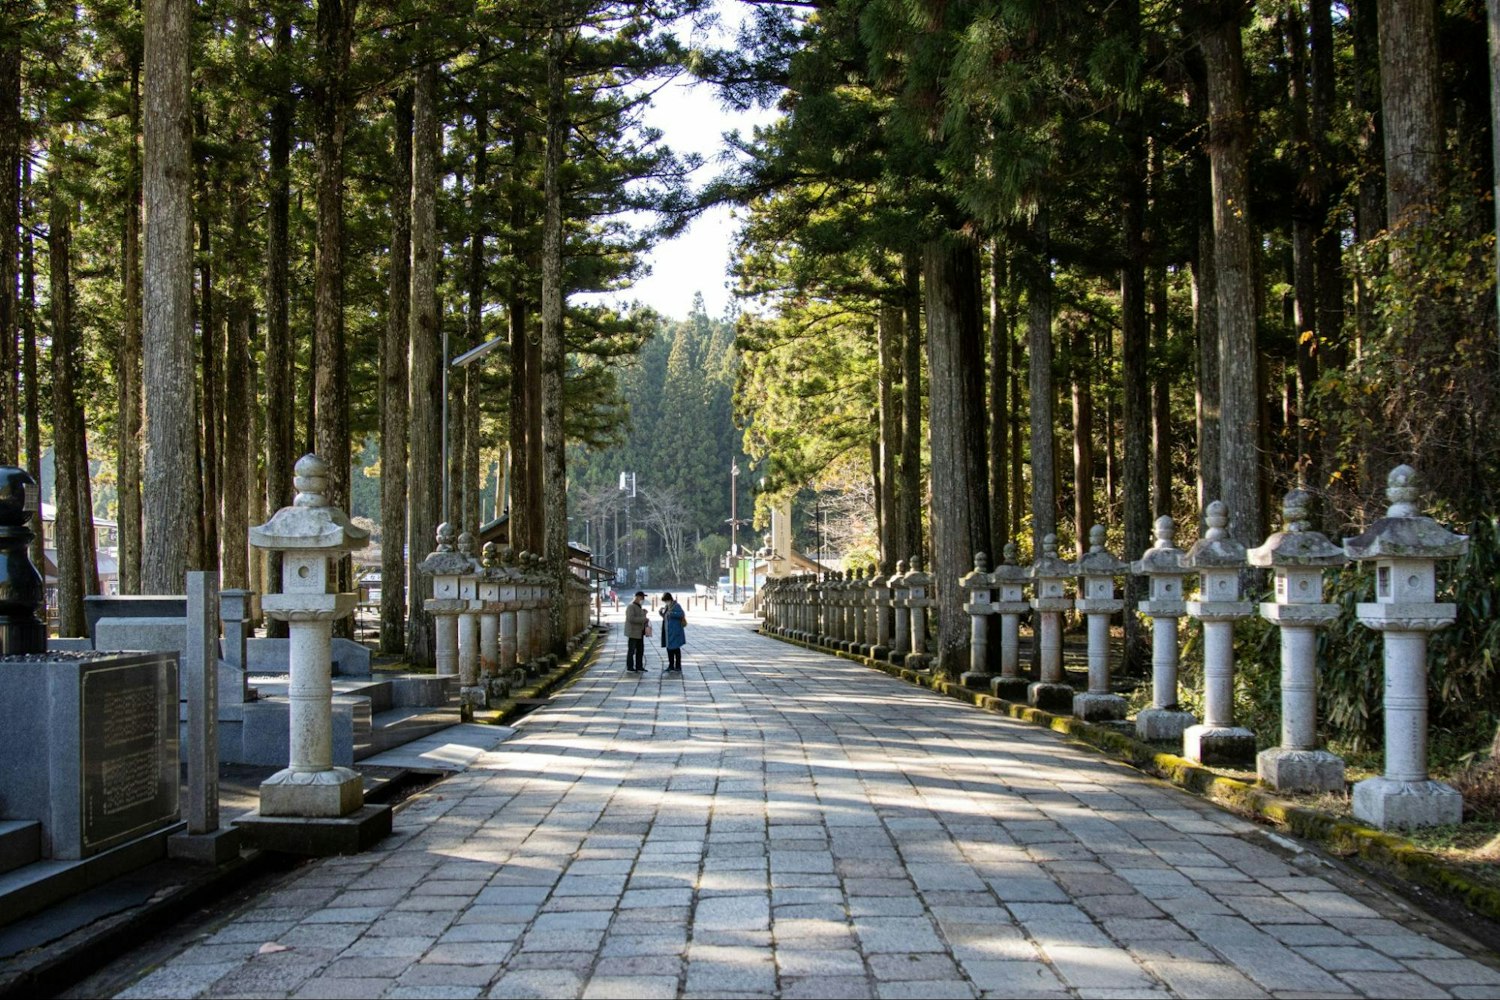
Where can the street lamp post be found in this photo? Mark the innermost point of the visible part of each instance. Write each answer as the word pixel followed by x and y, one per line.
pixel 734 529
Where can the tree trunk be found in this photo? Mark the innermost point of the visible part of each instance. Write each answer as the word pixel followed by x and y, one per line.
pixel 10 225
pixel 955 365
pixel 425 347
pixel 1083 438
pixel 1000 343
pixel 1017 453
pixel 1043 391
pixel 1308 213
pixel 1206 331
pixel 393 378
pixel 280 364
pixel 330 374
pixel 475 316
pixel 1410 113
pixel 128 376
pixel 32 395
pixel 888 333
pixel 1239 385
pixel 67 420
pixel 1161 397
pixel 554 350
pixel 909 496
pixel 169 484
pixel 208 383
pixel 239 398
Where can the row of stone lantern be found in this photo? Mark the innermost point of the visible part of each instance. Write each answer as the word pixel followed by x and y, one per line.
pixel 491 613
pixel 1405 546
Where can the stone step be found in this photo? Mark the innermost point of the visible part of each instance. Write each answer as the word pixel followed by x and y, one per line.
pixel 40 884
pixel 20 843
pixel 399 726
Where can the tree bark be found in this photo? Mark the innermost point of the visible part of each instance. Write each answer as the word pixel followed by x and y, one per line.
pixel 280 366
pixel 128 375
pixel 1042 389
pixel 909 496
pixel 1410 113
pixel 955 365
pixel 1083 437
pixel 1239 384
pixel 475 317
pixel 208 382
pixel 169 484
pixel 1000 344
pixel 31 396
pixel 1161 397
pixel 554 349
pixel 425 348
pixel 888 335
pixel 10 225
pixel 1206 329
pixel 394 414
pixel 330 375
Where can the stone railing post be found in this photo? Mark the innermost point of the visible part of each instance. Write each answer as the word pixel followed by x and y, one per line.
pixel 471 695
pixel 234 616
pixel 1298 557
pixel 510 604
pixel 1162 563
pixel 901 643
pixel 1405 546
pixel 312 536
pixel 1219 560
pixel 489 622
pixel 525 619
pixel 444 565
pixel 880 602
pixel 1010 582
pixel 1096 599
pixel 1051 692
pixel 977 585
pixel 917 602
pixel 871 607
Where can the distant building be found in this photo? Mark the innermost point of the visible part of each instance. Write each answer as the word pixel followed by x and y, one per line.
pixel 107 554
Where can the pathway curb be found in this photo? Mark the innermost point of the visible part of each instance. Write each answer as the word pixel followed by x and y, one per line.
pixel 1340 836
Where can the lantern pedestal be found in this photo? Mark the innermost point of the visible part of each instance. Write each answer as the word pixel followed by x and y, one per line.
pixel 1390 804
pixel 1219 746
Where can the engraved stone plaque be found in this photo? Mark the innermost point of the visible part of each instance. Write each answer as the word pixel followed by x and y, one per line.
pixel 128 770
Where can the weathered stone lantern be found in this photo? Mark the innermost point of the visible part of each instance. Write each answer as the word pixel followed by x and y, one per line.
pixel 901 643
pixel 1096 599
pixel 978 586
pixel 1050 574
pixel 312 536
pixel 490 609
pixel 1010 582
pixel 917 603
pixel 1162 563
pixel 880 601
pixel 1219 560
pixel 1298 557
pixel 1405 546
pixel 445 565
pixel 471 695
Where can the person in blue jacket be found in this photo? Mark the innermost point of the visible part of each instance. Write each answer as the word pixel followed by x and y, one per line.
pixel 673 631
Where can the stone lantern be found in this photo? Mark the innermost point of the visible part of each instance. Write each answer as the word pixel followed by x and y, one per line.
pixel 1010 582
pixel 880 606
pixel 445 565
pixel 917 603
pixel 470 693
pixel 977 585
pixel 1219 560
pixel 1050 574
pixel 1405 546
pixel 311 536
pixel 1162 563
pixel 490 610
pixel 901 643
pixel 1096 599
pixel 1298 557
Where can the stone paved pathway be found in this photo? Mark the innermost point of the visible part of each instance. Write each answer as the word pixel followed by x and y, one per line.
pixel 782 823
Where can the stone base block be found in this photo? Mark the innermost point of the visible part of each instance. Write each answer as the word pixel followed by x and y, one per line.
pixel 898 658
pixel 917 661
pixel 1050 697
pixel 474 697
pixel 975 680
pixel 335 792
pixel 317 837
pixel 1219 746
pixel 206 848
pixel 880 653
pixel 497 688
pixel 1160 725
pixel 1301 770
pixel 1010 688
pixel 1099 707
pixel 1402 805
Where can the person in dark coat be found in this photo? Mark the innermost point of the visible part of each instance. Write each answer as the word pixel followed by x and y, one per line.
pixel 636 627
pixel 673 631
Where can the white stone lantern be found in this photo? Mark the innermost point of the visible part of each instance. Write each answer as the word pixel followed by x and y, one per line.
pixel 1097 571
pixel 880 602
pixel 446 566
pixel 978 588
pixel 471 695
pixel 901 643
pixel 917 603
pixel 1219 560
pixel 311 536
pixel 1405 546
pixel 1050 575
pixel 490 609
pixel 1010 581
pixel 1298 558
pixel 1162 564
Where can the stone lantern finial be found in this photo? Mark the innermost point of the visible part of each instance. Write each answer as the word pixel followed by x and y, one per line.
pixel 981 563
pixel 900 566
pixel 916 564
pixel 445 536
pixel 1294 509
pixel 1049 546
pixel 310 476
pixel 1217 517
pixel 489 556
pixel 1403 490
pixel 466 544
pixel 1096 538
pixel 1010 554
pixel 1165 532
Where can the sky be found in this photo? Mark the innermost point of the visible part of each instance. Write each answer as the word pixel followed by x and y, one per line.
pixel 692 121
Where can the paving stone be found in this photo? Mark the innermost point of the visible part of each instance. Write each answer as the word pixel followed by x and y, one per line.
pixel 820 962
pixel 826 988
pixel 334 988
pixel 630 987
pixel 896 934
pixel 536 984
